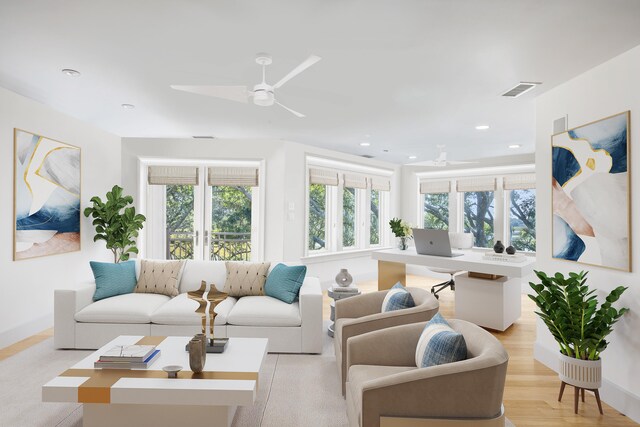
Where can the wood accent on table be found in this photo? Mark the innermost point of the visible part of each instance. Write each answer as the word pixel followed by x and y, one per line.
pixel 390 273
pixel 484 276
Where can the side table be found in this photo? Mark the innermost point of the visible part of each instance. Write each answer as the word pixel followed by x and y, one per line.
pixel 338 296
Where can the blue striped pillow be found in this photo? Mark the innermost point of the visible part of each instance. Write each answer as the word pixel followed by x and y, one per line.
pixel 439 344
pixel 397 298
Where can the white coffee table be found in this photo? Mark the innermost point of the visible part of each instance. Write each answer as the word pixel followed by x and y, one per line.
pixel 147 397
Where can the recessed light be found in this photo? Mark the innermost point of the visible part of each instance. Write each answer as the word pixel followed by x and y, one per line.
pixel 482 127
pixel 70 72
pixel 385 150
pixel 365 144
pixel 413 157
pixel 128 106
pixel 515 146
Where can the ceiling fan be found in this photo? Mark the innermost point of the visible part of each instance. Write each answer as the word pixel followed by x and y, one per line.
pixel 263 93
pixel 440 161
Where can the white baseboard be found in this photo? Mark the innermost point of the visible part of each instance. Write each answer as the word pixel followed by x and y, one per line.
pixel 616 397
pixel 26 330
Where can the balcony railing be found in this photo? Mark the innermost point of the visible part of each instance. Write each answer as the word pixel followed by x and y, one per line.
pixel 224 246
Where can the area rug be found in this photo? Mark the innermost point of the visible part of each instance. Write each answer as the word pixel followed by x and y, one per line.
pixel 294 391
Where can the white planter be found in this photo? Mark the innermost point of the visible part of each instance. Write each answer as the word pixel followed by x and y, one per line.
pixel 585 374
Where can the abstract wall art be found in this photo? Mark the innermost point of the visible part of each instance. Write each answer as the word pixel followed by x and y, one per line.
pixel 46 196
pixel 591 194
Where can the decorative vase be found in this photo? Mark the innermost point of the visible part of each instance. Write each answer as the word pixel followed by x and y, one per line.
pixel 343 278
pixel 498 247
pixel 402 243
pixel 203 339
pixel 586 374
pixel 196 361
pixel 510 250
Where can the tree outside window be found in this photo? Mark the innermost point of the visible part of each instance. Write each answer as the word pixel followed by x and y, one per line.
pixel 375 218
pixel 522 219
pixel 478 217
pixel 349 217
pixel 317 216
pixel 436 211
pixel 230 223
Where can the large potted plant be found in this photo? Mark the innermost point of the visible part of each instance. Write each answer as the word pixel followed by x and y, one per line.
pixel 402 230
pixel 570 311
pixel 116 223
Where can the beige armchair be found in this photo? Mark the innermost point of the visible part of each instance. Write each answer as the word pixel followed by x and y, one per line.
pixel 362 314
pixel 384 383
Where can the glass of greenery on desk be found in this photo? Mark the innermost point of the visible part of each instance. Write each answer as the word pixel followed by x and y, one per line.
pixel 402 230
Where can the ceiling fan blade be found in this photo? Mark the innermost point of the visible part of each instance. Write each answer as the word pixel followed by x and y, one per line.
pixel 231 93
pixel 424 163
pixel 290 110
pixel 300 68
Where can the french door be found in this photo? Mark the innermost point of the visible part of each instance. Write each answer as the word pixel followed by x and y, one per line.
pixel 211 219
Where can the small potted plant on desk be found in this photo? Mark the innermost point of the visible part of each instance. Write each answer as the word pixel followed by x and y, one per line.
pixel 402 230
pixel 570 311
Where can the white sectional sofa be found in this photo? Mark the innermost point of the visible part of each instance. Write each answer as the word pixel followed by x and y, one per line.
pixel 81 323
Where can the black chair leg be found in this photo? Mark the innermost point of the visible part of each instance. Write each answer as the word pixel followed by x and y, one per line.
pixel 439 287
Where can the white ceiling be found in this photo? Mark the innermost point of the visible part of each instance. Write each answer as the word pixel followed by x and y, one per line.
pixel 411 74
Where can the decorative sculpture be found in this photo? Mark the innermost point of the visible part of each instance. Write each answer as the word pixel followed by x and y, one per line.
pixel 209 300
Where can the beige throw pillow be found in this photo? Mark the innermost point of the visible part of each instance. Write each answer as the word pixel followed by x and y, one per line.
pixel 246 278
pixel 160 277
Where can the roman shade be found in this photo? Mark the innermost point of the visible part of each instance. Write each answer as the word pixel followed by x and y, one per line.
pixel 481 183
pixel 380 183
pixel 523 181
pixel 355 181
pixel 233 176
pixel 323 176
pixel 172 175
pixel 434 187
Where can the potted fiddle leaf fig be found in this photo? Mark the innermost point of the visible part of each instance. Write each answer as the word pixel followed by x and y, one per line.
pixel 570 311
pixel 116 223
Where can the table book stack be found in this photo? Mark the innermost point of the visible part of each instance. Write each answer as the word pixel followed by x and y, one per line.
pixel 340 292
pixel 128 357
pixel 491 256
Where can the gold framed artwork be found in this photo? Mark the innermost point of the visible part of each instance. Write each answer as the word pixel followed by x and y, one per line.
pixel 46 196
pixel 590 193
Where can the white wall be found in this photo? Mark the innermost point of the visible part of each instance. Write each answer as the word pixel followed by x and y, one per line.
pixel 608 89
pixel 26 305
pixel 285 182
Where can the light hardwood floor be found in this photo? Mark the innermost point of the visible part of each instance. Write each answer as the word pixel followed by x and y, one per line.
pixel 531 391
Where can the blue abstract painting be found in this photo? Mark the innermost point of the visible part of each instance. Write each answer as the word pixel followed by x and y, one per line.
pixel 590 194
pixel 47 196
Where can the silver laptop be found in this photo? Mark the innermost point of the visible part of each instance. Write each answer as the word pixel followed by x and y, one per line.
pixel 433 242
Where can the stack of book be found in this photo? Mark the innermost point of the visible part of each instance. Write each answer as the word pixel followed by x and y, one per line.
pixel 340 292
pixel 491 256
pixel 128 357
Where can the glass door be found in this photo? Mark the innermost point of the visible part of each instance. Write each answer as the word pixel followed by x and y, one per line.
pixel 229 227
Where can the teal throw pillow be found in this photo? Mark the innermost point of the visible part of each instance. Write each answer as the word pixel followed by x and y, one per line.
pixel 397 298
pixel 113 279
pixel 284 282
pixel 439 344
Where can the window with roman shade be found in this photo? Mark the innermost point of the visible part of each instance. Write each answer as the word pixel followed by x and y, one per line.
pixel 323 176
pixel 173 175
pixel 435 187
pixel 355 181
pixel 519 182
pixel 481 183
pixel 380 183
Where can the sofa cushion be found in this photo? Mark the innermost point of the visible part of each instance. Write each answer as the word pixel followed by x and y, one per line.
pixel 284 282
pixel 182 311
pixel 264 311
pixel 439 344
pixel 159 277
pixel 128 308
pixel 113 279
pixel 196 271
pixel 397 298
pixel 245 278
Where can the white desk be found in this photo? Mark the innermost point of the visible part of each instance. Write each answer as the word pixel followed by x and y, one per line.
pixel 493 302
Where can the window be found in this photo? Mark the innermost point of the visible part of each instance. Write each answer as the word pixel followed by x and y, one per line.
pixel 349 205
pixel 317 216
pixel 478 205
pixel 374 233
pixel 522 219
pixel 230 223
pixel 436 211
pixel 478 217
pixel 210 219
pixel 346 210
pixel 179 221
